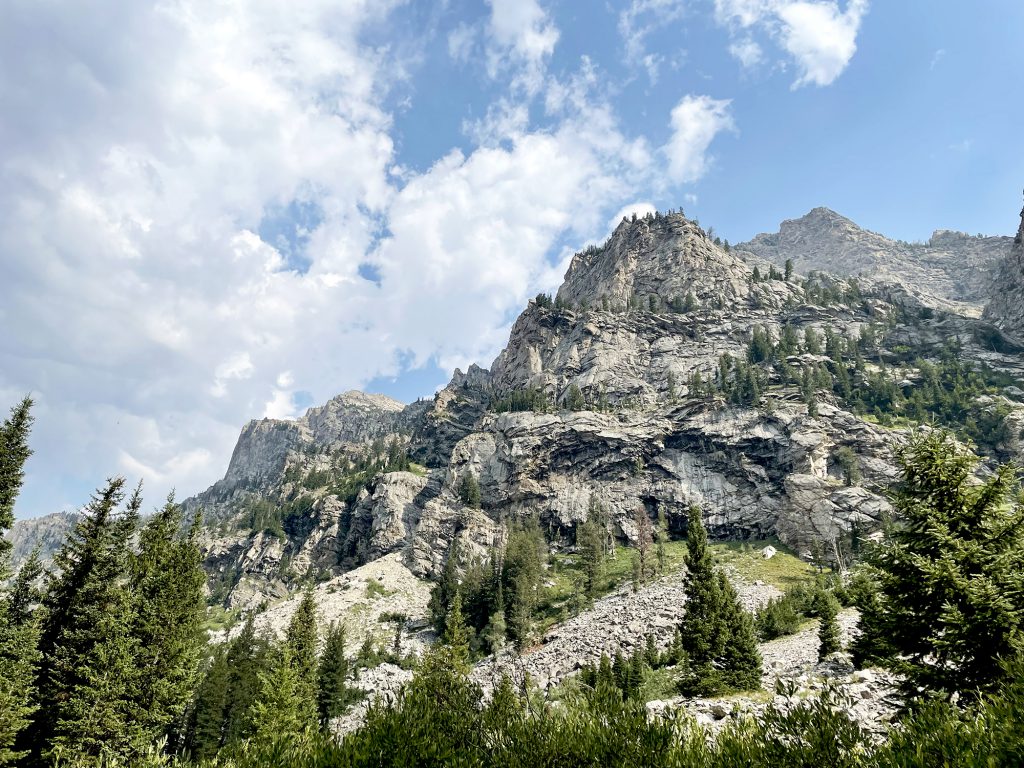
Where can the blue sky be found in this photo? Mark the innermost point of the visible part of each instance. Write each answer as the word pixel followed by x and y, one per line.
pixel 211 211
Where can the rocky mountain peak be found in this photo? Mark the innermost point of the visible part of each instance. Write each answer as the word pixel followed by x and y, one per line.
pixel 661 255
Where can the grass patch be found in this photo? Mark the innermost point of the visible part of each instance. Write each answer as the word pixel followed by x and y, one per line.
pixel 561 600
pixel 375 589
pixel 417 469
pixel 219 618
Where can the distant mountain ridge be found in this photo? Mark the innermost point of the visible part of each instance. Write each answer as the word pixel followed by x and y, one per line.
pixel 953 270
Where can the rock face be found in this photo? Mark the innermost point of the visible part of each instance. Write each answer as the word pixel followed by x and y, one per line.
pixel 1006 310
pixel 953 270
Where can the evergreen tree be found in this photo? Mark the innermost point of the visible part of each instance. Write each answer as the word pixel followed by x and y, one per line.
pixel 718 644
pixel 812 343
pixel 789 269
pixel 280 709
pixel 88 676
pixel 206 730
pixel 25 592
pixel 469 491
pixel 574 398
pixel 662 539
pixel 456 635
pixel 740 663
pixel 590 543
pixel 248 657
pixel 950 574
pixel 301 639
pixel 18 632
pixel 167 583
pixel 827 608
pixel 333 693
pixel 443 592
pixel 689 303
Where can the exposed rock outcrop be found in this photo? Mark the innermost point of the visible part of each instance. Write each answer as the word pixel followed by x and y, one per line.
pixel 1006 310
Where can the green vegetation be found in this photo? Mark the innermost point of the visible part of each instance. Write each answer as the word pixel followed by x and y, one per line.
pixel 947 608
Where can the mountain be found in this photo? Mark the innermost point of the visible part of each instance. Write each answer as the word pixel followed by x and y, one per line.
pixel 1006 310
pixel 665 373
pixel 953 270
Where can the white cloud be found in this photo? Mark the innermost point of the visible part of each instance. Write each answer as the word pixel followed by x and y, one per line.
pixel 746 52
pixel 523 36
pixel 696 120
pixel 151 317
pixel 461 41
pixel 819 35
pixel 637 22
pixel 821 38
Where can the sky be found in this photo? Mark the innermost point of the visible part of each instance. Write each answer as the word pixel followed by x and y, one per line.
pixel 219 210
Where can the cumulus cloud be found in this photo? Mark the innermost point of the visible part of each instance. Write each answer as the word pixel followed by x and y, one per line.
pixel 191 254
pixel 522 34
pixel 696 120
pixel 819 36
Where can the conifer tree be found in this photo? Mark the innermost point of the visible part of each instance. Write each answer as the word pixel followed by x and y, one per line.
pixel 207 718
pixel 88 676
pixel 280 709
pixel 644 542
pixel 456 635
pixel 469 491
pixel 167 583
pixel 301 639
pixel 827 608
pixel 333 693
pixel 443 592
pixel 740 662
pixel 950 575
pixel 25 592
pixel 247 657
pixel 18 634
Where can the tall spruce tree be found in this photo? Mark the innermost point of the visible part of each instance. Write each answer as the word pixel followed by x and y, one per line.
pixel 950 574
pixel 333 693
pixel 18 633
pixel 280 710
pixel 717 637
pixel 206 726
pixel 88 674
pixel 25 592
pixel 167 583
pixel 248 656
pixel 301 640
pixel 827 608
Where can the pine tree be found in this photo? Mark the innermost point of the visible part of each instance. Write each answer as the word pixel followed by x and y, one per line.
pixel 469 491
pixel 949 576
pixel 699 628
pixel 167 589
pixel 456 635
pixel 591 547
pixel 662 539
pixel 247 657
pixel 333 693
pixel 443 592
pixel 827 608
pixel 25 592
pixel 789 269
pixel 301 639
pixel 280 709
pixel 18 633
pixel 574 398
pixel 740 662
pixel 88 674
pixel 207 718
